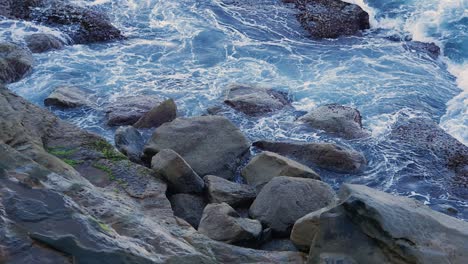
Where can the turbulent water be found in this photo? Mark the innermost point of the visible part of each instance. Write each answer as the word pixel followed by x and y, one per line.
pixel 192 50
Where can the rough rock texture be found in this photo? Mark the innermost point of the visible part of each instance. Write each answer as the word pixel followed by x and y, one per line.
pixel 255 101
pixel 324 155
pixel 279 245
pixel 285 199
pixel 370 226
pixel 235 194
pixel 52 210
pixel 430 49
pixel 15 62
pixel 212 145
pixel 129 142
pixel 82 24
pixel 158 115
pixel 177 172
pixel 330 18
pixel 40 42
pixel 188 207
pixel 336 119
pixel 126 111
pixel 68 97
pixel 221 222
pixel 305 229
pixel 267 165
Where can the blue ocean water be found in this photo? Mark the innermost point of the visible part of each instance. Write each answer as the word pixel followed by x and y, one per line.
pixel 192 50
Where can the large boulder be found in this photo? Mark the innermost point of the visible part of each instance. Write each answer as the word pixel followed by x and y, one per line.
pixel 285 199
pixel 177 172
pixel 126 111
pixel 41 42
pixel 254 101
pixel 324 155
pixel 212 145
pixel 68 97
pixel 267 165
pixel 339 120
pixel 158 115
pixel 129 142
pixel 15 62
pixel 188 207
pixel 223 191
pixel 222 223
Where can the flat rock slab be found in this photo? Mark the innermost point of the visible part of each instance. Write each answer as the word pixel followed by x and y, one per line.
pixel 235 194
pixel 40 42
pixel 68 97
pixel 15 62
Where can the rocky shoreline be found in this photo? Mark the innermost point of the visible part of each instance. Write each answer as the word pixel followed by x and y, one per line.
pixel 68 196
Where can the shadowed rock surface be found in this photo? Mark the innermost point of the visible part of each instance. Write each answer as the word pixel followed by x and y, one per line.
pixel 15 62
pixel 129 142
pixel 235 194
pixel 188 207
pixel 158 115
pixel 126 111
pixel 40 42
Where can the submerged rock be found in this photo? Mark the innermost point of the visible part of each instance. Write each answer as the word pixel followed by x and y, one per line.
pixel 285 199
pixel 325 155
pixel 158 115
pixel 15 62
pixel 430 49
pixel 223 191
pixel 130 142
pixel 212 145
pixel 40 42
pixel 267 165
pixel 126 111
pixel 336 119
pixel 188 207
pixel 68 97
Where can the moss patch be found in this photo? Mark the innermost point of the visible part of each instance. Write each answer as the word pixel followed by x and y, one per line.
pixel 105 169
pixel 108 150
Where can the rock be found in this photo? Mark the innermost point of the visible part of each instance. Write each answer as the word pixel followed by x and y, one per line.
pixel 221 190
pixel 430 49
pixel 222 223
pixel 212 145
pixel 130 142
pixel 279 245
pixel 370 226
pixel 68 97
pixel 15 62
pixel 158 115
pixel 305 229
pixel 336 119
pixel 285 199
pixel 188 207
pixel 255 101
pixel 177 172
pixel 126 111
pixel 40 42
pixel 267 165
pixel 324 155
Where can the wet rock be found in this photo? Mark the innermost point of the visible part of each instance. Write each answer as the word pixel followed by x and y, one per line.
pixel 130 142
pixel 430 49
pixel 212 145
pixel 222 223
pixel 221 190
pixel 158 115
pixel 40 42
pixel 255 101
pixel 285 199
pixel 267 165
pixel 15 62
pixel 279 245
pixel 336 119
pixel 126 111
pixel 324 155
pixel 177 172
pixel 68 97
pixel 188 207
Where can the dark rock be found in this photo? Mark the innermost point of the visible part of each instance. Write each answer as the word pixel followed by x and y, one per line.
pixel 325 155
pixel 158 115
pixel 255 101
pixel 222 223
pixel 267 165
pixel 126 111
pixel 177 172
pixel 130 142
pixel 15 62
pixel 285 199
pixel 212 145
pixel 40 42
pixel 68 97
pixel 430 49
pixel 336 119
pixel 279 245
pixel 235 194
pixel 188 207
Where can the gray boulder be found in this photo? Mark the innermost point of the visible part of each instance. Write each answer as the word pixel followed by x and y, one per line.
pixel 285 199
pixel 68 97
pixel 235 194
pixel 212 145
pixel 177 172
pixel 130 142
pixel 278 245
pixel 254 101
pixel 324 155
pixel 188 207
pixel 267 165
pixel 126 111
pixel 158 115
pixel 222 223
pixel 15 62
pixel 41 42
pixel 336 119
